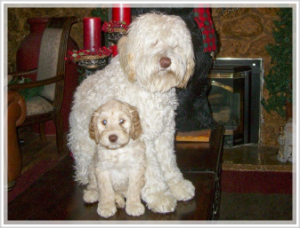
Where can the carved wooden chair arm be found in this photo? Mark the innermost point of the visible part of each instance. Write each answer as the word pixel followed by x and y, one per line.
pixel 36 83
pixel 22 73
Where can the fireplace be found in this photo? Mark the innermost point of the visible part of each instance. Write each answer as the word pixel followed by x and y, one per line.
pixel 234 98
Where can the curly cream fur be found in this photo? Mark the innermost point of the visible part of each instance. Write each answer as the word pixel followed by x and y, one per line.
pixel 136 77
pixel 119 164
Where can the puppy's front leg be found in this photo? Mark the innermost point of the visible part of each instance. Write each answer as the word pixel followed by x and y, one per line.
pixel 106 204
pixel 134 206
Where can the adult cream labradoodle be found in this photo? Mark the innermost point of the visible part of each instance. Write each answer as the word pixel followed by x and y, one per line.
pixel 155 57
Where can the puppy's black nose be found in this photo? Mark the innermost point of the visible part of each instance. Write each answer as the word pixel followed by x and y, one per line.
pixel 113 138
pixel 165 62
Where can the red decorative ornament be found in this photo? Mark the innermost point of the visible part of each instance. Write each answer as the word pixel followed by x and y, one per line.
pixel 75 55
pixel 114 26
pixel 114 50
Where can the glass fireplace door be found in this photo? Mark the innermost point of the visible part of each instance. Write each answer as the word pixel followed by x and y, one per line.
pixel 227 103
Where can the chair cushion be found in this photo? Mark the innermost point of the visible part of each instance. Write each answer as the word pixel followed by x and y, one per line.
pixel 38 105
pixel 48 59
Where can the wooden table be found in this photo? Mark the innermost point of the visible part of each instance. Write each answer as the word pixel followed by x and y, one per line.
pixel 56 196
pixel 204 159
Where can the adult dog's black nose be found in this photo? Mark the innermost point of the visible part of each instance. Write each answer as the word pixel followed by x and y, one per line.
pixel 113 138
pixel 165 62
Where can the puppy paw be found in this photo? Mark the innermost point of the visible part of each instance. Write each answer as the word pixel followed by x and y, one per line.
pixel 161 202
pixel 135 209
pixel 183 190
pixel 106 210
pixel 90 196
pixel 120 201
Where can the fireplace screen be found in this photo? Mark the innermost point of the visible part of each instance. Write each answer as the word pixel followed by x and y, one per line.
pixel 228 103
pixel 226 106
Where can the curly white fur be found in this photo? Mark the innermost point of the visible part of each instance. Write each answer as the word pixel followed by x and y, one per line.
pixel 136 76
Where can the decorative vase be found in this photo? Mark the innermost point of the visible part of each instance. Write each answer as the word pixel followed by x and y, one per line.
pixel 27 59
pixel 29 49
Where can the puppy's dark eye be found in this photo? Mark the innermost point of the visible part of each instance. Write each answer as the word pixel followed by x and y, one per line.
pixel 104 122
pixel 121 121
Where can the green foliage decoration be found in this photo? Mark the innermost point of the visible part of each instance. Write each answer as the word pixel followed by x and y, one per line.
pixel 278 82
pixel 81 76
pixel 100 12
pixel 28 92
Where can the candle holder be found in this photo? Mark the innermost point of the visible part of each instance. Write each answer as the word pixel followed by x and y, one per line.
pixel 115 30
pixel 90 61
pixel 116 35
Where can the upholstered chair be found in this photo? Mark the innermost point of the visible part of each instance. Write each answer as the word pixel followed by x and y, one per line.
pixel 15 115
pixel 50 74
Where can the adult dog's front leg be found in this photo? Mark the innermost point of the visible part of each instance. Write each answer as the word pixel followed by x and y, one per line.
pixel 91 193
pixel 156 192
pixel 106 205
pixel 180 188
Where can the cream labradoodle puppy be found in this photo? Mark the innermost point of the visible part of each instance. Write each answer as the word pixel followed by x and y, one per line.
pixel 118 166
pixel 155 57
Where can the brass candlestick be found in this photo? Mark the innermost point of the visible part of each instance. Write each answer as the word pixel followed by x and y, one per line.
pixel 116 34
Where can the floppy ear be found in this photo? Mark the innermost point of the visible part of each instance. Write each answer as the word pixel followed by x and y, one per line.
pixel 189 70
pixel 126 59
pixel 93 129
pixel 136 127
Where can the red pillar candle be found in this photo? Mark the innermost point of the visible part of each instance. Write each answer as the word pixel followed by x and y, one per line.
pixel 121 12
pixel 92 33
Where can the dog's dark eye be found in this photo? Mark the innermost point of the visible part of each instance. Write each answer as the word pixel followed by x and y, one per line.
pixel 104 122
pixel 121 121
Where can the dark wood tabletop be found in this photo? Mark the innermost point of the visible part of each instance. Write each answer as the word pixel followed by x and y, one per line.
pixel 193 157
pixel 55 196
